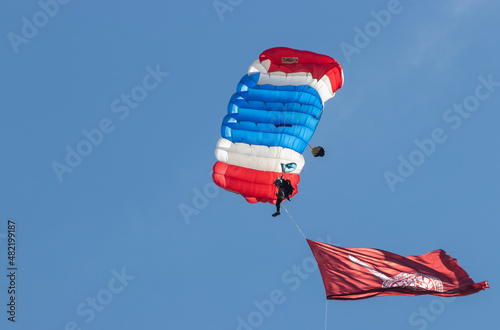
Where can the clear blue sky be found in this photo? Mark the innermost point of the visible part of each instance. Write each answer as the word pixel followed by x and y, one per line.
pixel 139 90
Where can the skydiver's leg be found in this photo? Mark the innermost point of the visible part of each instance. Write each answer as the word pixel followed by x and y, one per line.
pixel 278 203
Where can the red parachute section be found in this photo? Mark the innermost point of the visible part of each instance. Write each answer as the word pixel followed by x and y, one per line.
pixel 253 185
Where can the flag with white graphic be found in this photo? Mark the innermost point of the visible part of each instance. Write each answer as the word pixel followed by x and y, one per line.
pixel 358 273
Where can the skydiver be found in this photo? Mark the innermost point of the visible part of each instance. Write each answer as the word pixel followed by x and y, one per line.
pixel 285 190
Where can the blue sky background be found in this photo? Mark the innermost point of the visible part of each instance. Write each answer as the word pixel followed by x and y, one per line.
pixel 119 209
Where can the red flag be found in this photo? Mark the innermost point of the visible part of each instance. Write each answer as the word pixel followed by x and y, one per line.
pixel 363 273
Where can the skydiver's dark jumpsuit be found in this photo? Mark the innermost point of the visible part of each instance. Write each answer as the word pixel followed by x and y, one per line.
pixel 285 189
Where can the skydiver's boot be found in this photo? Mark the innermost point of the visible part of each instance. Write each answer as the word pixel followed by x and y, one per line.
pixel 276 214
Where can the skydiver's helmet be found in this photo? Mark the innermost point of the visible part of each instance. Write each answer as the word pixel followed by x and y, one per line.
pixel 278 182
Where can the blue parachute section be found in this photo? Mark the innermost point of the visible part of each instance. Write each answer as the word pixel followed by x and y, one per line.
pixel 269 115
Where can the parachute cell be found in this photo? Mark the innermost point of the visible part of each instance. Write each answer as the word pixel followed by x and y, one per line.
pixel 270 120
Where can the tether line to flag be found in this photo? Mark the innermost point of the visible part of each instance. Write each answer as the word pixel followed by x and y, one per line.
pixel 294 222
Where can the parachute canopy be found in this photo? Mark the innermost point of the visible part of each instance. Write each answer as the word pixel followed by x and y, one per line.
pixel 270 120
